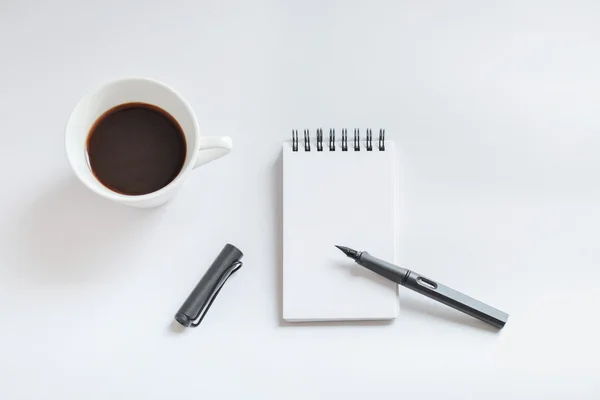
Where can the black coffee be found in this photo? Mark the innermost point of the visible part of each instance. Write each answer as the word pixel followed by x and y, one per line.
pixel 136 149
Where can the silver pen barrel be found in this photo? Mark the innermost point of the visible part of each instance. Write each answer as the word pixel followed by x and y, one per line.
pixel 432 289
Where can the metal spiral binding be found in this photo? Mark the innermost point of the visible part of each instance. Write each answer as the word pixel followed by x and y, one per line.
pixel 332 140
pixel 295 140
pixel 382 140
pixel 306 140
pixel 319 139
pixel 368 141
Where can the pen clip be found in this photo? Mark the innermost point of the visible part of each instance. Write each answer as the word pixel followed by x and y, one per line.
pixel 214 292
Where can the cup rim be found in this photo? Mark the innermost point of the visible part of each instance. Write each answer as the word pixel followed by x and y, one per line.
pixel 125 198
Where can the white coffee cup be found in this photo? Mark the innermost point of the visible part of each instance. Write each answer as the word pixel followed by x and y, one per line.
pixel 200 149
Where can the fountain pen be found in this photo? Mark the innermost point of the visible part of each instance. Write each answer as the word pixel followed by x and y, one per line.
pixel 428 287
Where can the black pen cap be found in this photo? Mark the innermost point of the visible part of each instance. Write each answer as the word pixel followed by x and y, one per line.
pixel 198 302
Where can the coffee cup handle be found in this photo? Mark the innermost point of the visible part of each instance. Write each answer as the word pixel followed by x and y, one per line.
pixel 213 147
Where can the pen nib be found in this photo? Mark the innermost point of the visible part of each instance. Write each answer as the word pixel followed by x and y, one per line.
pixel 353 254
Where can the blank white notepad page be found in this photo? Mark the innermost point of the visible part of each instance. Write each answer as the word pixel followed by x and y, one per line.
pixel 329 198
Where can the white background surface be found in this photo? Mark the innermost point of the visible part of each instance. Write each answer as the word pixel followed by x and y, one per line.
pixel 495 106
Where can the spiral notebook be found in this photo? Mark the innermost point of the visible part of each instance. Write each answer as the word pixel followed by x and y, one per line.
pixel 337 191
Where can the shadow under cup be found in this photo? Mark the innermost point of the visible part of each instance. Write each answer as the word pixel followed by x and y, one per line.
pixel 133 90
